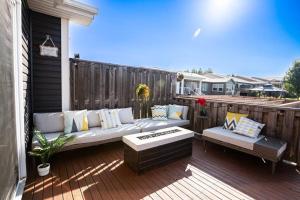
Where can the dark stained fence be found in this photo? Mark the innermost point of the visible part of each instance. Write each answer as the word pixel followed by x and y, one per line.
pixel 96 85
pixel 280 121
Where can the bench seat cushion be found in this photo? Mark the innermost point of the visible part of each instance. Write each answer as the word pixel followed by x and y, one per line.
pixel 148 124
pixel 94 134
pixel 227 136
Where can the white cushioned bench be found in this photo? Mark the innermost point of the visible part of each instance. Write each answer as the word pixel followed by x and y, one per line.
pixel 265 147
pixel 51 124
pixel 225 135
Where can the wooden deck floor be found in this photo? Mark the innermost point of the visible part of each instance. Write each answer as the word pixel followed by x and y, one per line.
pixel 99 173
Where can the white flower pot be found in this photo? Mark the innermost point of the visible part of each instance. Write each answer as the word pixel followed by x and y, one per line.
pixel 43 171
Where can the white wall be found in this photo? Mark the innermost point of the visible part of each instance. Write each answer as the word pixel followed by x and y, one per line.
pixel 65 66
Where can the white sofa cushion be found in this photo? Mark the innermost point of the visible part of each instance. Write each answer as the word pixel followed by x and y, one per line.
pixel 49 122
pixel 148 124
pixel 94 134
pixel 225 135
pixel 93 118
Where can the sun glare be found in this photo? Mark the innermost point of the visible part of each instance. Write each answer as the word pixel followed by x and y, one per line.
pixel 220 14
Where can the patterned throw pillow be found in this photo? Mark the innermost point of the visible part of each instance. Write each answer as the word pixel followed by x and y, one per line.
pixel 75 121
pixel 109 118
pixel 248 127
pixel 232 120
pixel 159 113
pixel 175 112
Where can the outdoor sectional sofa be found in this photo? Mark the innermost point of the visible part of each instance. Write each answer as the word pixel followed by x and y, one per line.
pixel 52 125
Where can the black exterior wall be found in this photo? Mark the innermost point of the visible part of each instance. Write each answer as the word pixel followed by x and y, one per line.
pixel 27 71
pixel 46 70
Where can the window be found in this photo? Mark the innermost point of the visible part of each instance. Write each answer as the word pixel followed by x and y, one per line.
pixel 204 87
pixel 217 87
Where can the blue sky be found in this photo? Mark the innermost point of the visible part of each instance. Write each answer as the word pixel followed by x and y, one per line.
pixel 246 37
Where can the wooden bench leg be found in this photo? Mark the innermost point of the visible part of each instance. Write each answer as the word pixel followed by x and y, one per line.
pixel 274 167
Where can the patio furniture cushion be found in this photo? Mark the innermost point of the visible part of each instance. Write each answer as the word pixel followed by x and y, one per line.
pixel 93 118
pixel 148 124
pixel 106 119
pixel 159 113
pixel 185 112
pixel 126 116
pixel 175 112
pixel 232 120
pixel 114 113
pixel 227 136
pixel 248 127
pixel 49 122
pixel 94 134
pixel 75 121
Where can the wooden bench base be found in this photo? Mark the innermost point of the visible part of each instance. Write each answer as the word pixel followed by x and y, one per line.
pixel 265 149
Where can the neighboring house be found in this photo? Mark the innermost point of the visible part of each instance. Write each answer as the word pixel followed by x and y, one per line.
pixel 215 84
pixel 190 84
pixel 275 81
pixel 31 82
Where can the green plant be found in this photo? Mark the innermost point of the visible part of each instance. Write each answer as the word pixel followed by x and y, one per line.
pixel 47 148
pixel 292 80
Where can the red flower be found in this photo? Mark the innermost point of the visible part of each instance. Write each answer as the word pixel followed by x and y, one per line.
pixel 201 102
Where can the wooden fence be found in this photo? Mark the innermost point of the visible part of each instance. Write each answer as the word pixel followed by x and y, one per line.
pixel 281 121
pixel 96 85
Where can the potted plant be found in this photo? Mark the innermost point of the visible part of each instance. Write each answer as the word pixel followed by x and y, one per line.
pixel 202 103
pixel 143 94
pixel 46 149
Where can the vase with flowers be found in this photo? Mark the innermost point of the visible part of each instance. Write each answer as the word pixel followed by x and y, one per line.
pixel 202 104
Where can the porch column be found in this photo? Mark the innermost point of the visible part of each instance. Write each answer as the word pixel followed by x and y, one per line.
pixel 65 65
pixel 200 86
pixel 182 86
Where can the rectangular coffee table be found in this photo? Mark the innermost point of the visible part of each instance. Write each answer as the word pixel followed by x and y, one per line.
pixel 146 150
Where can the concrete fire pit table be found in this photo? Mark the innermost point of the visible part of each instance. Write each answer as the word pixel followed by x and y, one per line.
pixel 146 150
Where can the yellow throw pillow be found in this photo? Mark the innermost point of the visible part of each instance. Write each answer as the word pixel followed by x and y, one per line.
pixel 232 119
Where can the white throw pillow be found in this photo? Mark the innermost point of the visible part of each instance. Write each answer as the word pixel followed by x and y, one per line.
pixel 248 127
pixel 126 116
pixel 105 119
pixel 114 113
pixel 49 122
pixel 93 118
pixel 175 112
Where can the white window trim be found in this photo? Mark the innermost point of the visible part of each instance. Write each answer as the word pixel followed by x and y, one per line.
pixel 65 65
pixel 217 86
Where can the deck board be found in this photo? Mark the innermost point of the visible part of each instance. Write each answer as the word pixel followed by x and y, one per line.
pixel 100 173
